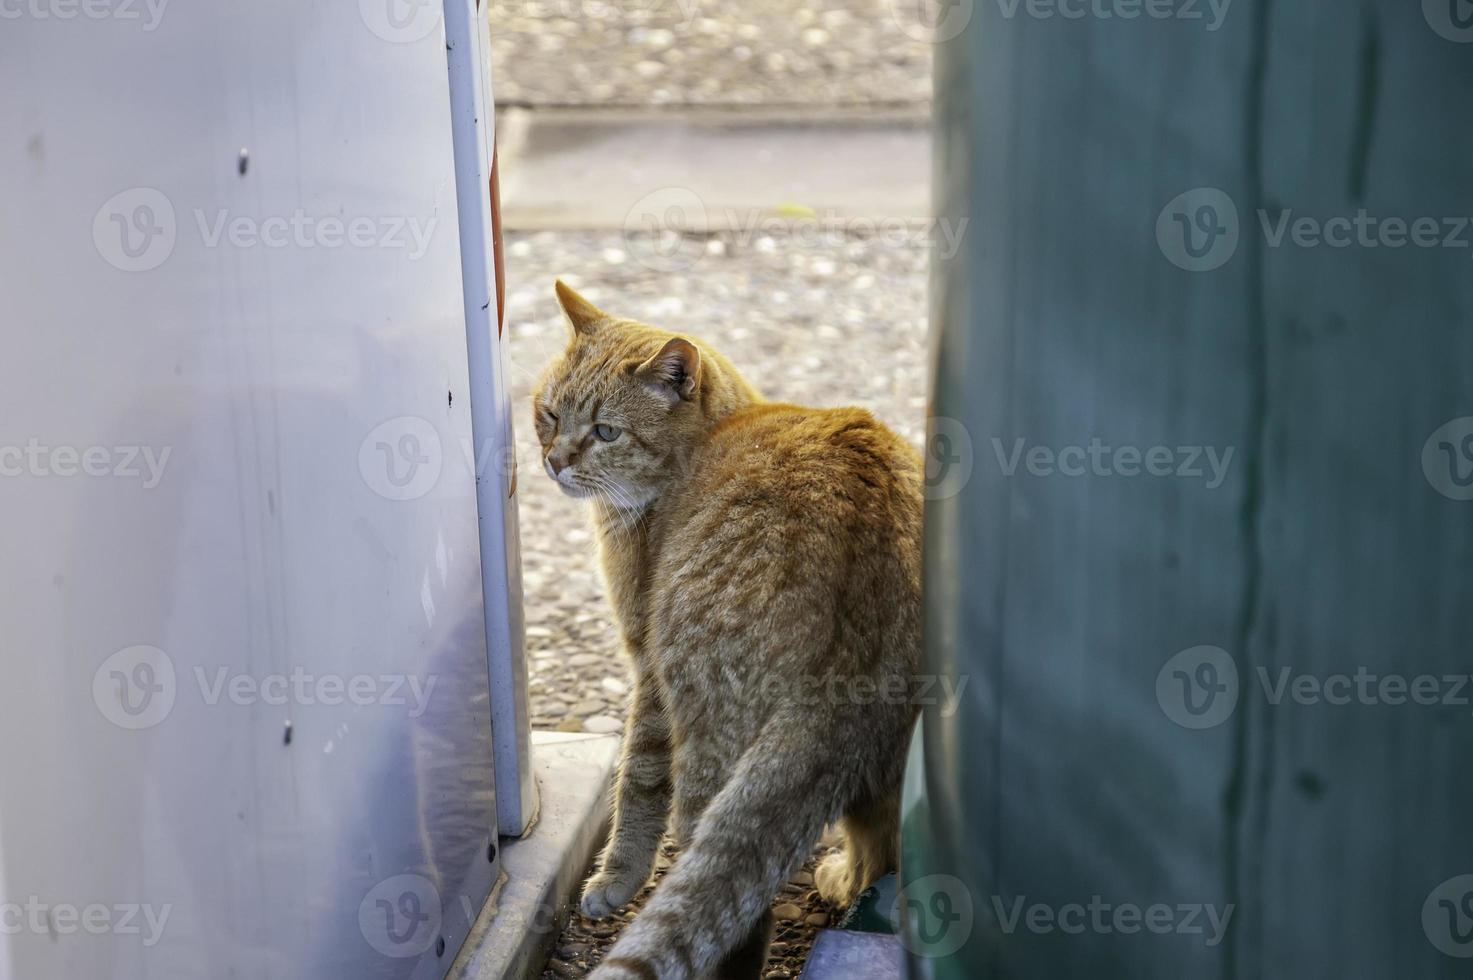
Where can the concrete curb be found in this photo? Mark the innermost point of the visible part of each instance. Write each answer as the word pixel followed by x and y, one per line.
pixel 710 171
pixel 541 872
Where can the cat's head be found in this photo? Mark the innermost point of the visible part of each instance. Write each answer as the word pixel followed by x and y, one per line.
pixel 619 411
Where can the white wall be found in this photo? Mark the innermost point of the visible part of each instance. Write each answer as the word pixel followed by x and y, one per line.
pixel 267 538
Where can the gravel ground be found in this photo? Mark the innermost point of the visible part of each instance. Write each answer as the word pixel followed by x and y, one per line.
pixel 815 319
pixel 709 52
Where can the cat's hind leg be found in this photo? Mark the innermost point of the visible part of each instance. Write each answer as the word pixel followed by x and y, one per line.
pixel 871 829
pixel 755 833
pixel 747 961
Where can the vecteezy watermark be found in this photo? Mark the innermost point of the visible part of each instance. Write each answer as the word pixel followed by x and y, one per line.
pixel 400 916
pixel 593 11
pixel 96 919
pixel 135 687
pixel 402 21
pixel 401 458
pixel 810 691
pixel 1447 917
pixel 1100 917
pixel 1199 688
pixel 137 230
pixel 35 459
pixel 1363 230
pixel 948 458
pixel 1198 230
pixel 146 13
pixel 138 687
pixel 667 229
pixel 1447 459
pixel 931 21
pixel 1451 19
pixel 1099 459
pixel 936 915
pixel 1210 12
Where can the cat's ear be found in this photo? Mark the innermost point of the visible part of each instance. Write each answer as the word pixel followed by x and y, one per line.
pixel 675 371
pixel 583 315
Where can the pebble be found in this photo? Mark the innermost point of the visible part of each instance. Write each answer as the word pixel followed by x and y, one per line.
pixel 603 725
pixel 787 912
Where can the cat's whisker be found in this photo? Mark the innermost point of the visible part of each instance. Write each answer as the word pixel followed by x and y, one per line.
pixel 630 514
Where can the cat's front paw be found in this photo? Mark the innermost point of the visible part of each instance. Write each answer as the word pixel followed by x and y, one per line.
pixel 605 893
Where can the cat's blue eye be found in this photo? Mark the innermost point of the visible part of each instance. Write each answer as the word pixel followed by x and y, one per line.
pixel 606 433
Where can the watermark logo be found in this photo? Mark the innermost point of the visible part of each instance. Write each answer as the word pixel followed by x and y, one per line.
pixel 937 915
pixel 1447 459
pixel 1451 19
pixel 1198 688
pixel 135 687
pixel 1207 463
pixel 400 917
pixel 658 229
pixel 943 692
pixel 931 21
pixel 135 230
pixel 401 21
pixel 1363 230
pixel 138 687
pixel 1447 917
pixel 1211 12
pixel 147 12
pixel 38 460
pixel 301 230
pixel 401 459
pixel 948 458
pixel 1198 230
pixel 96 919
pixel 1106 918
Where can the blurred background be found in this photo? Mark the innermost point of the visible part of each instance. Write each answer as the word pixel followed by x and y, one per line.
pixel 752 172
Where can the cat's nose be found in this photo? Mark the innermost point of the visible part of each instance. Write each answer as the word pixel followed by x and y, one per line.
pixel 559 460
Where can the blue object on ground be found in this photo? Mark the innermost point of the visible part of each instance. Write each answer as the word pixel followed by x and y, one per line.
pixel 840 955
pixel 875 909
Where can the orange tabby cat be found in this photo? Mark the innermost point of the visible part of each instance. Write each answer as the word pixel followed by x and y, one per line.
pixel 763 561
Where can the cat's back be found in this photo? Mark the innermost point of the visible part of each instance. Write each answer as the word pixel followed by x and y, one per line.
pixel 783 459
pixel 787 498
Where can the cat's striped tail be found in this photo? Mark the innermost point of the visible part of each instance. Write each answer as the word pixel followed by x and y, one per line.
pixel 756 832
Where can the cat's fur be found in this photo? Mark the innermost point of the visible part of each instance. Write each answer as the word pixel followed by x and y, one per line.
pixel 763 561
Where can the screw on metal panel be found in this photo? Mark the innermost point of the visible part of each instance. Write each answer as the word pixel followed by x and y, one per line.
pixel 440 946
pixel 491 852
pixel 245 160
pixel 286 739
pixel 449 398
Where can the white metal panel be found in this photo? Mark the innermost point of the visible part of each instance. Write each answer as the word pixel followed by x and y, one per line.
pixel 301 386
pixel 473 121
